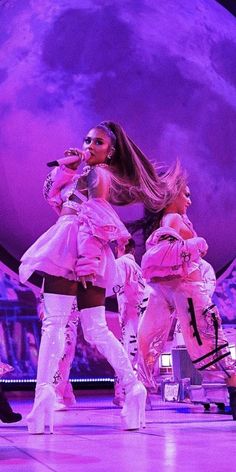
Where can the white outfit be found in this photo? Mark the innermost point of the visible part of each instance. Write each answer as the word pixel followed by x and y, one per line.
pixel 169 264
pixel 64 392
pixel 129 290
pixel 77 244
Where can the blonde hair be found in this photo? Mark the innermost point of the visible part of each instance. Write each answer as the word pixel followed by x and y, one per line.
pixel 174 181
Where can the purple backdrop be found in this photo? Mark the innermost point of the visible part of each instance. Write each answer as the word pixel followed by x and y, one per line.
pixel 165 70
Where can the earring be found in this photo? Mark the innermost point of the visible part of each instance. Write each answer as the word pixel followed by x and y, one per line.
pixel 110 155
pixel 108 159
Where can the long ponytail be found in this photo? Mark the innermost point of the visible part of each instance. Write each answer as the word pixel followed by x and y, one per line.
pixel 135 177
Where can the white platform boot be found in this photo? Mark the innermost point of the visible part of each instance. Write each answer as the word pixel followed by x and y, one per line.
pixel 96 332
pixel 56 313
pixel 65 397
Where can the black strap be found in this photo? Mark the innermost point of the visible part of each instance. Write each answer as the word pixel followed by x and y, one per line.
pixel 210 353
pixel 193 321
pixel 214 361
pixel 209 308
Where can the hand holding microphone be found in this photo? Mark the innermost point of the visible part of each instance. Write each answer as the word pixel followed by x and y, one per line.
pixel 72 156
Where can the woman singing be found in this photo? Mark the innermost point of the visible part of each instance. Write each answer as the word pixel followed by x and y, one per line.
pixel 76 260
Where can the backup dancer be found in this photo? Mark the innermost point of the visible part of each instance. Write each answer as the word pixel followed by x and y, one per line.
pixel 181 281
pixel 129 290
pixel 75 257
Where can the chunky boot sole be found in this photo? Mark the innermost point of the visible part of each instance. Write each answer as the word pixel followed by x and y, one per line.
pixel 42 413
pixel 133 412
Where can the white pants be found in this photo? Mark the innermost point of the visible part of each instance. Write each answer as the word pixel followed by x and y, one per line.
pixel 128 319
pixel 200 325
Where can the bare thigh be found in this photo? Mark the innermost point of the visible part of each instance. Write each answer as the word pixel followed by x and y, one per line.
pixel 60 285
pixel 90 297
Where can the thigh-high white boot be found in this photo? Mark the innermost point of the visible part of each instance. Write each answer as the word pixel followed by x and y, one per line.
pixel 65 397
pixel 96 332
pixel 57 309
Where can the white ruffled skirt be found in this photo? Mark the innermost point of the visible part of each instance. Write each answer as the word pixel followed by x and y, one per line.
pixel 78 245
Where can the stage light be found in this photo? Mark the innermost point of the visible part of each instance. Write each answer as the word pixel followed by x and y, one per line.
pixel 86 380
pixel 166 360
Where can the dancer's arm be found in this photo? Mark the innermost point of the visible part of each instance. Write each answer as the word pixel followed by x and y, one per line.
pixel 58 178
pixel 169 254
pixel 185 229
pixel 175 221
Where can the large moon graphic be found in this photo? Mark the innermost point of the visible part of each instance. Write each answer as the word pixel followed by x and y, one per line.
pixel 165 70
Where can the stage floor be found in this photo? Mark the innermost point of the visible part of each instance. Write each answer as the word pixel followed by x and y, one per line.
pixel 178 437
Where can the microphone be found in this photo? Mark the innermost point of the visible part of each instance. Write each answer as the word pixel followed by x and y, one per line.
pixel 83 156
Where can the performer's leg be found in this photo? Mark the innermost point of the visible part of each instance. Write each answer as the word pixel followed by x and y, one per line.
pixel 204 337
pixel 64 392
pixel 57 308
pixel 95 329
pixel 129 328
pixel 153 331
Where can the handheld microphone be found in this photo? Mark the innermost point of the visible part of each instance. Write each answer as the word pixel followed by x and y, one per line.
pixel 83 156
